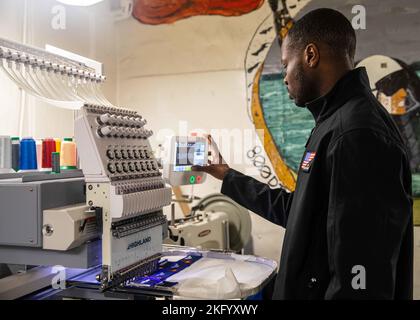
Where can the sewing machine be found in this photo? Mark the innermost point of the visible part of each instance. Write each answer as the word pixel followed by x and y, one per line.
pixel 215 222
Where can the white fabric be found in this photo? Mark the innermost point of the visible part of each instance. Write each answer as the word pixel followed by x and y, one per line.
pixel 211 278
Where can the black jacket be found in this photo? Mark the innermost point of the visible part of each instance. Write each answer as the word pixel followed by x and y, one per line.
pixel 352 204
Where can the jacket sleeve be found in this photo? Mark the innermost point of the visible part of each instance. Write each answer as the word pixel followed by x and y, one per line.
pixel 369 215
pixel 271 204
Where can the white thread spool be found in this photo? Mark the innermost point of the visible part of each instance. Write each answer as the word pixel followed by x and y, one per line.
pixel 6 154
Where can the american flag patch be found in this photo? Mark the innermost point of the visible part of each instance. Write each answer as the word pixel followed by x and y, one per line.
pixel 307 161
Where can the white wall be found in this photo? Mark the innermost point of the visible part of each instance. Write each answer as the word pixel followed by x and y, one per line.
pixel 11 27
pixel 89 32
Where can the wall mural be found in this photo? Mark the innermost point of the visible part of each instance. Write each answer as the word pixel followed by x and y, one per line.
pixel 397 86
pixel 168 11
pixel 282 128
pixel 285 128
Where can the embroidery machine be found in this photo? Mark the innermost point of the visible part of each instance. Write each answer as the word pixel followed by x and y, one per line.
pixel 105 224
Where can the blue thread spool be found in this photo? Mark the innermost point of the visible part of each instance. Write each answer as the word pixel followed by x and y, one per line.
pixel 28 154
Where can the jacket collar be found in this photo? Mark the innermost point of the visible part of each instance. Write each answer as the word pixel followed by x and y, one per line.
pixel 352 83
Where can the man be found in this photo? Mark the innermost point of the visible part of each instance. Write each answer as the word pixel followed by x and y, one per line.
pixel 349 229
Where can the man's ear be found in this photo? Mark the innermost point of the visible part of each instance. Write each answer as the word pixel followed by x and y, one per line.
pixel 311 55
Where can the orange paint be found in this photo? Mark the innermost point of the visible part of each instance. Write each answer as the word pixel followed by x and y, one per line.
pixel 169 11
pixel 283 172
pixel 398 102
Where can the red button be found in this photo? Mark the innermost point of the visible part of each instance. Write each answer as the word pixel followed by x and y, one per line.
pixel 198 179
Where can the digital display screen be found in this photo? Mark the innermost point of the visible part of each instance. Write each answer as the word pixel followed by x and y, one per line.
pixel 188 154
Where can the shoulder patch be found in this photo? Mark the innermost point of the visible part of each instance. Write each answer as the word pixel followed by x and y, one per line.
pixel 307 161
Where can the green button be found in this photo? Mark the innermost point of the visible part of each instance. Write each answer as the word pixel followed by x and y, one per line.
pixel 192 179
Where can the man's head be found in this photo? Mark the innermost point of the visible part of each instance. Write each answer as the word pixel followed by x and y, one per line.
pixel 316 52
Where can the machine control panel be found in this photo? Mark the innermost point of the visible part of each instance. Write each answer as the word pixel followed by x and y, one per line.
pixel 184 153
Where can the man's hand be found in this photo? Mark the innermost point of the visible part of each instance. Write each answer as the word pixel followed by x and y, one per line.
pixel 218 168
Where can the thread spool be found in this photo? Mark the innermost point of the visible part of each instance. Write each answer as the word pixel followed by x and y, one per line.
pixel 57 144
pixel 5 154
pixel 48 147
pixel 68 154
pixel 28 159
pixel 39 153
pixel 15 153
pixel 55 159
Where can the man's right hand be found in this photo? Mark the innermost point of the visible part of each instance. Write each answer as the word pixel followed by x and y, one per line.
pixel 218 168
